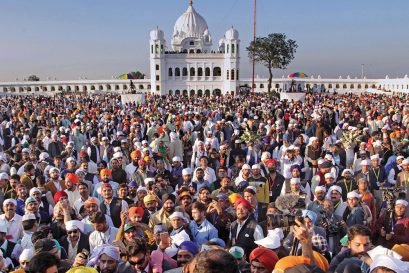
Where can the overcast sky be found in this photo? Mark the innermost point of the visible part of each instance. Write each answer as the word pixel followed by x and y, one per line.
pixel 98 39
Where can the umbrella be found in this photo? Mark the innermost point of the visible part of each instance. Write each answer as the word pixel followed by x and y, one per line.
pixel 298 75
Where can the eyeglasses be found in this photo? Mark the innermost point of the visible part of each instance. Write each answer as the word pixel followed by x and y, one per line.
pixel 72 231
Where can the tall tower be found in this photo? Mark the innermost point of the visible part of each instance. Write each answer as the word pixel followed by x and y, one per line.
pixel 157 61
pixel 231 73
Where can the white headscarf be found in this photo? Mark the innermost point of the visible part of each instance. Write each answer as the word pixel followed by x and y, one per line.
pixel 106 249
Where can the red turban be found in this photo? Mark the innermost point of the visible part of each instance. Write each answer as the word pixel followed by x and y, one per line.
pixel 265 256
pixel 73 178
pixel 106 185
pixel 271 163
pixel 141 162
pixel 83 153
pixel 135 210
pixel 244 202
pixel 58 195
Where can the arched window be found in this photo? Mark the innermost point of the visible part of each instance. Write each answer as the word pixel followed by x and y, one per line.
pixel 200 92
pixel 359 86
pixel 261 85
pixel 207 72
pixel 161 48
pixel 207 93
pixel 277 85
pixel 184 72
pixel 92 87
pixel 152 49
pixel 52 88
pixel 227 75
pixel 192 72
pixel 101 87
pixel 227 48
pixel 177 72
pixel 108 87
pixel 170 72
pixel 77 88
pixel 185 92
pixel 232 48
pixel 68 89
pixel 170 92
pixel 232 74
pixel 140 86
pixel 237 75
pixel 124 87
pixel 337 85
pixel 156 49
pixel 38 89
pixel 330 85
pixel 117 87
pixel 352 86
pixel 344 86
pixel 217 72
pixel 177 92
pixel 192 92
pixel 366 86
pixel 200 71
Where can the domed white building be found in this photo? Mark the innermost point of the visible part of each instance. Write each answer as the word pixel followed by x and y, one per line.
pixel 192 66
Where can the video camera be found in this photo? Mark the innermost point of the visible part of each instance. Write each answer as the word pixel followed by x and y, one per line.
pixel 290 208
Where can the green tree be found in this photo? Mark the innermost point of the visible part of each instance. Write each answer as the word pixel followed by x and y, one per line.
pixel 33 78
pixel 274 51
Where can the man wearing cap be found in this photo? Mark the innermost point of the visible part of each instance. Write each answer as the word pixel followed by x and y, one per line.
pixel 209 173
pixel 93 150
pixel 177 171
pixel 318 179
pixel 198 153
pixel 199 179
pixel 151 203
pixel 71 165
pixel 221 214
pixel 54 184
pixel 44 208
pixel 347 183
pixel 55 147
pixel 295 189
pixel 354 213
pixel 75 240
pixel 30 225
pixel 238 253
pixel 187 181
pixel 396 230
pixel 260 183
pixel 402 179
pixel 11 220
pixel 395 170
pixel 111 205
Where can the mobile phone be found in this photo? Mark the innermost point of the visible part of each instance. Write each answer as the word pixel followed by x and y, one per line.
pixel 165 238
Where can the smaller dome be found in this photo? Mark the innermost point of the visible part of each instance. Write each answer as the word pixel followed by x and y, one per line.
pixel 157 34
pixel 232 34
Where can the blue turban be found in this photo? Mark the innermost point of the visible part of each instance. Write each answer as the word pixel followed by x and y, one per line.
pixel 286 137
pixel 190 246
pixel 310 214
pixel 296 166
pixel 133 184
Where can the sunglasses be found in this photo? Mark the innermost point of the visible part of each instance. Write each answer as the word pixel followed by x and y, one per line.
pixel 72 231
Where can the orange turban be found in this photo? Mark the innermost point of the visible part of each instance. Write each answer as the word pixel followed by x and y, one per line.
pixel 91 201
pixel 321 261
pixel 402 250
pixel 72 177
pixel 290 261
pixel 135 154
pixel 106 172
pixel 265 256
pixel 135 210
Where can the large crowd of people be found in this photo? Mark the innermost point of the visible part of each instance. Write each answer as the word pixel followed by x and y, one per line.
pixel 228 184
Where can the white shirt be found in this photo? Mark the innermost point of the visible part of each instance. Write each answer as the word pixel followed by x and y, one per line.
pixel 14 227
pixel 209 175
pixel 88 227
pixel 72 196
pixel 130 169
pixel 99 238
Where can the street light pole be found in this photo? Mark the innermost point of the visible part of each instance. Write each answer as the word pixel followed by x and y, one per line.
pixel 254 41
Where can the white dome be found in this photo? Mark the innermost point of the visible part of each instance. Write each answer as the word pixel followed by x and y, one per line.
pixel 232 34
pixel 157 34
pixel 190 25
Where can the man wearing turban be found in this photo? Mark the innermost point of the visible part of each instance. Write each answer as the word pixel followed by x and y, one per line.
pixel 249 230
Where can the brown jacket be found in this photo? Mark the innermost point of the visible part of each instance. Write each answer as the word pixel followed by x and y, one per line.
pixel 49 186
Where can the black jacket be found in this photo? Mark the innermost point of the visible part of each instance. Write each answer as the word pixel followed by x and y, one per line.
pixel 82 244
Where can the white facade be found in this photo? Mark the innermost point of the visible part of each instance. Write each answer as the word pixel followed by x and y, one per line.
pixel 192 67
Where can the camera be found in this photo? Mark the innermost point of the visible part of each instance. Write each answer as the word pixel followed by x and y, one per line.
pixel 332 228
pixel 283 220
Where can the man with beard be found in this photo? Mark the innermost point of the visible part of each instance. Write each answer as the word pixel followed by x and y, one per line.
pixel 176 172
pixel 11 220
pixel 45 209
pixel 359 242
pixel 204 196
pixel 399 232
pixel 91 207
pixel 131 168
pixel 132 187
pixel 21 198
pixel 118 174
pixel 187 181
pixel 151 204
pixel 106 175
pixel 199 181
pixel 335 195
pixel 224 187
pixel 318 179
pixel 275 180
pixel 112 206
pixel 106 258
pixel 71 181
pixel 75 240
pixel 260 183
pixel 54 184
pixel 317 205
pixel 186 252
pixel 201 228
pixel 162 216
pixel 180 226
pixel 103 234
pixel 141 192
pixel 245 230
pixel 347 183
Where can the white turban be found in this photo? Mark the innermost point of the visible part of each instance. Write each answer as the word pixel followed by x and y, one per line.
pixel 401 202
pixel 74 224
pixel 106 249
pixel 26 255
